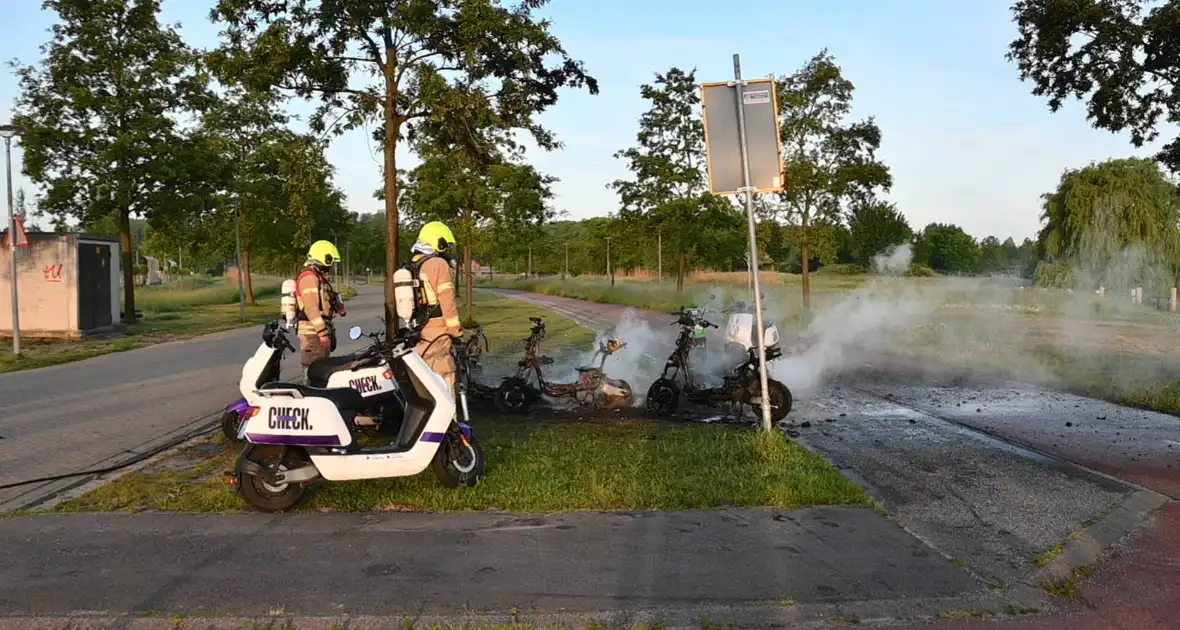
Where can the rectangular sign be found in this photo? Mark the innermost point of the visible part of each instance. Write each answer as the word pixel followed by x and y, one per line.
pixel 722 142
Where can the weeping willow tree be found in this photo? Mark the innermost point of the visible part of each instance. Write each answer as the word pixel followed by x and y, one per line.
pixel 1111 224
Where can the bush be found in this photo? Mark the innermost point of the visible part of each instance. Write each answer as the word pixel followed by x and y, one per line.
pixel 920 271
pixel 842 269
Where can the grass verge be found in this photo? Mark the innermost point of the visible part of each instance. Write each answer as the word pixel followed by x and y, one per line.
pixel 608 464
pixel 171 312
pixel 533 466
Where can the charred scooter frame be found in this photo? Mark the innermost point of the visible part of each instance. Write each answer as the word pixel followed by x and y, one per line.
pixel 298 434
pixel 467 354
pixel 740 387
pixel 516 394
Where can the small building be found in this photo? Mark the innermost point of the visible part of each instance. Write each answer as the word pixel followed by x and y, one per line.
pixel 68 285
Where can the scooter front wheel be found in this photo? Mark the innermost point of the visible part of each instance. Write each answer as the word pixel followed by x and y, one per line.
pixel 781 400
pixel 265 496
pixel 231 423
pixel 459 461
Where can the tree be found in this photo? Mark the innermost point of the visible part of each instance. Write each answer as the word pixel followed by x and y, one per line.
pixel 828 161
pixel 1116 53
pixel 1116 222
pixel 428 58
pixel 669 191
pixel 874 228
pixel 474 193
pixel 947 248
pixel 99 112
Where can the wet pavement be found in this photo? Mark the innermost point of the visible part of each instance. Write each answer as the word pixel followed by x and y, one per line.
pixel 1000 475
pixel 993 507
pixel 1140 446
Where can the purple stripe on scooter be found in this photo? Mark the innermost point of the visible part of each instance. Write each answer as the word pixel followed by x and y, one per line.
pixel 428 436
pixel 294 440
pixel 239 407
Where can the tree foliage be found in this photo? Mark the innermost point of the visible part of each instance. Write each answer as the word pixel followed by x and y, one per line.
pixel 1120 55
pixel 874 228
pixel 669 191
pixel 1116 223
pixel 473 185
pixel 425 58
pixel 947 248
pixel 829 161
pixel 100 111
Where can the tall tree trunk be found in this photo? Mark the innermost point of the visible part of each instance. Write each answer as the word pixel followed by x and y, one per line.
pixel 249 280
pixel 681 271
pixel 128 257
pixel 392 125
pixel 470 280
pixel 806 264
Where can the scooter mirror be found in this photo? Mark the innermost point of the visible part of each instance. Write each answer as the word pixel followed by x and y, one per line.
pixel 354 333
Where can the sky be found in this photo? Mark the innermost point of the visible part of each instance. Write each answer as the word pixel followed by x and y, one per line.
pixel 965 139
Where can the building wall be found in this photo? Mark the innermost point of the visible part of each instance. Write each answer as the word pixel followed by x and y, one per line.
pixel 47 285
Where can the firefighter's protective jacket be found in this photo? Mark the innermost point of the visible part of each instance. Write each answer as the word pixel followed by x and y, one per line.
pixel 315 298
pixel 438 288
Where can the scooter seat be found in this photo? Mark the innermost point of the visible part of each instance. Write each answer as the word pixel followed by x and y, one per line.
pixel 320 371
pixel 345 398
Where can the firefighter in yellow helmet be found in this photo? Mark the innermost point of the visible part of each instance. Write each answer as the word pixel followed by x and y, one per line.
pixel 317 303
pixel 431 260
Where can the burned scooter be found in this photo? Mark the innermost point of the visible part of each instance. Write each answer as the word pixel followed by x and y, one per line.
pixel 739 387
pixel 593 388
pixel 468 353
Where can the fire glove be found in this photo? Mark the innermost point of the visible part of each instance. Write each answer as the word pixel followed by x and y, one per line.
pixel 343 312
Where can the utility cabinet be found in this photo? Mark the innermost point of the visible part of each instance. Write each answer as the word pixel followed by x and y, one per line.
pixel 68 285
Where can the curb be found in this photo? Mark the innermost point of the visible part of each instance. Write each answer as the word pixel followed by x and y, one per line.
pixel 759 615
pixel 1092 543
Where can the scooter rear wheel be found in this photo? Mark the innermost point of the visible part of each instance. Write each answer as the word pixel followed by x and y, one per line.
pixel 663 397
pixel 513 397
pixel 231 423
pixel 266 497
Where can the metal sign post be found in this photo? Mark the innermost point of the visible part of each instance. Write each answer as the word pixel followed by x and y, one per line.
pixel 8 132
pixel 741 129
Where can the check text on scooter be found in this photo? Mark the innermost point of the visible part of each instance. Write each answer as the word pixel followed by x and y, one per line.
pixel 290 418
pixel 365 384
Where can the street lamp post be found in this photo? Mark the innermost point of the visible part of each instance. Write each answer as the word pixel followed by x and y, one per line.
pixel 610 272
pixel 8 132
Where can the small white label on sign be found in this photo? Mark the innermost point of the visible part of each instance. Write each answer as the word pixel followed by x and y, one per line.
pixel 756 97
pixel 776 182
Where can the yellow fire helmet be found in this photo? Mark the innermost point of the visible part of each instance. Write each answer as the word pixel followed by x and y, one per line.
pixel 323 253
pixel 437 235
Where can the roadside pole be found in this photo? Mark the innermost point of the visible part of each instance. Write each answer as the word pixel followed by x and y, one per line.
pixel 729 143
pixel 238 247
pixel 8 132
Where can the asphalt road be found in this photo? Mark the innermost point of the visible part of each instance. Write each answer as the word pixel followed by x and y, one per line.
pixel 101 411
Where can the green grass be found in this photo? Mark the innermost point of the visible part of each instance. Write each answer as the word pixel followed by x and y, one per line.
pixel 533 465
pixel 170 312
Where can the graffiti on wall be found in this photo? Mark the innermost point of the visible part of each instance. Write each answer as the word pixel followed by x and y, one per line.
pixel 52 273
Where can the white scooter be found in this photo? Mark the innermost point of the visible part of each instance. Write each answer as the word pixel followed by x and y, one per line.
pixel 298 434
pixel 366 371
